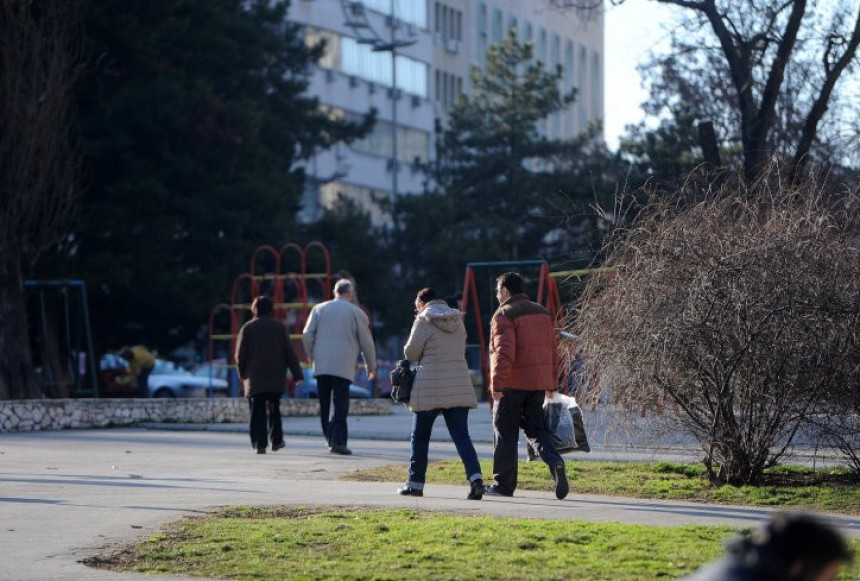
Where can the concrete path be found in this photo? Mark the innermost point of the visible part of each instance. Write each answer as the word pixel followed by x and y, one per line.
pixel 68 495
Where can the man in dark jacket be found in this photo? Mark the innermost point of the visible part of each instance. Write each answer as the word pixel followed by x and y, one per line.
pixel 263 355
pixel 790 547
pixel 523 370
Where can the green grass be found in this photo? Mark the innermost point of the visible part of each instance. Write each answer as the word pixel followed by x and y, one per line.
pixel 347 543
pixel 359 543
pixel 660 480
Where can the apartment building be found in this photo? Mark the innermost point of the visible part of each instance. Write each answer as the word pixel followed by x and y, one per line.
pixel 411 60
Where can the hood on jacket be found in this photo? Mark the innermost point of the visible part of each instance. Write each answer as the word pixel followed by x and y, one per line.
pixel 438 313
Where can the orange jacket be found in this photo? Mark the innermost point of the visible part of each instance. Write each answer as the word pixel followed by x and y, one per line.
pixel 523 353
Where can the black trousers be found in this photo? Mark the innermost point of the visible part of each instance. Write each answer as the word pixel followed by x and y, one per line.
pixel 519 409
pixel 143 382
pixel 265 421
pixel 334 393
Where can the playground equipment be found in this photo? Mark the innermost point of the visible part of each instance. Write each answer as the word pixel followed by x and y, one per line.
pixel 61 337
pixel 283 275
pixel 548 293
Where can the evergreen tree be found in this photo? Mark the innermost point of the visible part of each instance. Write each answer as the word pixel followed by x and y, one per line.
pixel 194 115
pixel 503 189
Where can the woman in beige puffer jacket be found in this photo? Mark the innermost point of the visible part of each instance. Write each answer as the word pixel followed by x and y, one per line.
pixel 442 386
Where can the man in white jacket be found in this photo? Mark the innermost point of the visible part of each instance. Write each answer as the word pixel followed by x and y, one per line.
pixel 336 332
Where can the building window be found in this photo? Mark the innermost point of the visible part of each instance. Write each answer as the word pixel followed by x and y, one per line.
pixel 512 24
pixel 360 60
pixel 412 143
pixel 482 33
pixel 497 26
pixel 331 58
pixel 570 114
pixel 412 12
pixel 596 86
pixel 527 31
pixel 541 54
pixel 582 76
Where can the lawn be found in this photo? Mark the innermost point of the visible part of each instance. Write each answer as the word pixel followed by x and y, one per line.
pixel 353 543
pixel 331 542
pixel 788 487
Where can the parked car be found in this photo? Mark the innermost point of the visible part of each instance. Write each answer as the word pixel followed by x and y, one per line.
pixel 167 380
pixel 218 368
pixel 311 390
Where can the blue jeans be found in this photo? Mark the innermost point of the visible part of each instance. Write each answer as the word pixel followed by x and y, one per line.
pixel 457 420
pixel 334 393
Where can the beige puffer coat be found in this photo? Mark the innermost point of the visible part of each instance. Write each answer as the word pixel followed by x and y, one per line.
pixel 438 341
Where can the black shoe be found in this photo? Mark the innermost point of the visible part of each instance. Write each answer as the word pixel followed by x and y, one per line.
pixel 276 447
pixel 561 486
pixel 409 491
pixel 530 453
pixel 261 450
pixel 494 491
pixel 342 450
pixel 477 490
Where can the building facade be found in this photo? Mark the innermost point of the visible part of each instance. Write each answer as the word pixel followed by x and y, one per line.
pixel 411 60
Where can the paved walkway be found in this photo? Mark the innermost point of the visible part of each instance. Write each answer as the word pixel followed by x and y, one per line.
pixel 67 495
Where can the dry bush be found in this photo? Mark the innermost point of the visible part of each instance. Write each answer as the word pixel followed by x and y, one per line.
pixel 740 311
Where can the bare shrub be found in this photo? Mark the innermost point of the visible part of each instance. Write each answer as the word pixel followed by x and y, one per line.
pixel 740 310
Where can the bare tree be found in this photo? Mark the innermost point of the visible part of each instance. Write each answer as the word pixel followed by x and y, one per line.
pixel 38 165
pixel 741 309
pixel 767 50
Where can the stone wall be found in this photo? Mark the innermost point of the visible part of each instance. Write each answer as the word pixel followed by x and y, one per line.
pixel 61 414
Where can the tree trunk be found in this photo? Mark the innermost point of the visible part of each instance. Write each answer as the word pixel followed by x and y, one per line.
pixel 17 378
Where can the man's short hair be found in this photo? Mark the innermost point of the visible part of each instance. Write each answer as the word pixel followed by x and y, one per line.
pixel 342 287
pixel 427 294
pixel 262 306
pixel 513 281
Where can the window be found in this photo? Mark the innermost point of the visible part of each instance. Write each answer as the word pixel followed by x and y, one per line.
pixel 596 86
pixel 512 24
pixel 482 33
pixel 411 143
pixel 527 31
pixel 497 26
pixel 570 114
pixel 541 54
pixel 360 60
pixel 582 77
pixel 331 58
pixel 413 11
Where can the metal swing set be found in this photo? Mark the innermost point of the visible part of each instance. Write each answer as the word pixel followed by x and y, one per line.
pixel 284 275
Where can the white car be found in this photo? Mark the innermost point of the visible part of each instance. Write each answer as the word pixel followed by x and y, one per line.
pixel 170 380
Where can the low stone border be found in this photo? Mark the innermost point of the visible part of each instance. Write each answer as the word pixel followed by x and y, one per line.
pixel 62 414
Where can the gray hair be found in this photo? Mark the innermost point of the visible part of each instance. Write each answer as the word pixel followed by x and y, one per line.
pixel 342 287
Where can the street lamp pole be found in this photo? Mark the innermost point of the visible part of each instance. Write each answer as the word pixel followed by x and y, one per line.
pixel 395 169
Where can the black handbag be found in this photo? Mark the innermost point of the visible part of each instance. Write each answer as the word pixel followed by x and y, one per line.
pixel 402 378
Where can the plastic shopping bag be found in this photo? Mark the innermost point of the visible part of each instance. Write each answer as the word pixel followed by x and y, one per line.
pixel 563 420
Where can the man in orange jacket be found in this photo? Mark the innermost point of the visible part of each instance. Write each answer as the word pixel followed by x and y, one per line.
pixel 523 370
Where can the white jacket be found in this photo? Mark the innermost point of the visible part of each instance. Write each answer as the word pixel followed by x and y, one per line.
pixel 336 332
pixel 438 340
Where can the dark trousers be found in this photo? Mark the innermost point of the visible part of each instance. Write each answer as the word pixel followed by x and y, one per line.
pixel 519 409
pixel 457 420
pixel 143 382
pixel 334 393
pixel 265 421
